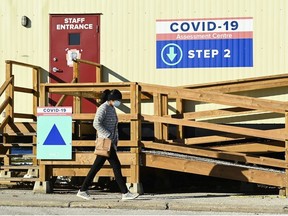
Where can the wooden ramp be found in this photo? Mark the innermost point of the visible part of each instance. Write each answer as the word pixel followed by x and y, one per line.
pixel 214 167
pixel 230 148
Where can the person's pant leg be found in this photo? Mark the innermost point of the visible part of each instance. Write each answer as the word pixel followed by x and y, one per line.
pixel 116 166
pixel 97 165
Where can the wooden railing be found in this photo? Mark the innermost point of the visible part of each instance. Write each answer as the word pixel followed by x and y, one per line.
pixel 240 85
pixel 130 160
pixel 247 150
pixel 8 101
pixel 214 146
pixel 75 79
pixel 12 88
pixel 8 105
pixel 243 138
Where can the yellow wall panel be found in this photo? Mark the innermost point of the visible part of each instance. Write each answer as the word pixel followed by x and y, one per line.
pixel 128 36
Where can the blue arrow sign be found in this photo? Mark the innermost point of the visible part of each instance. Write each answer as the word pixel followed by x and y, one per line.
pixel 171 55
pixel 205 53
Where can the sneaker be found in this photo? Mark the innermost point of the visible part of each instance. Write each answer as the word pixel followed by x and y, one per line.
pixel 129 196
pixel 29 176
pixel 84 195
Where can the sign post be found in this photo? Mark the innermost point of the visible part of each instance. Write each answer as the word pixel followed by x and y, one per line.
pixel 204 43
pixel 54 133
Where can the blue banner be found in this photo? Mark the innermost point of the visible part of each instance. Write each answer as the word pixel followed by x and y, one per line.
pixel 205 53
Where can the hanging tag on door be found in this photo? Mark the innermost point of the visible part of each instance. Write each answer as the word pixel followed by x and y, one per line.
pixel 72 54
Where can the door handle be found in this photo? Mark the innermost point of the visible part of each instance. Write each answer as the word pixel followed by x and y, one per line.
pixel 55 69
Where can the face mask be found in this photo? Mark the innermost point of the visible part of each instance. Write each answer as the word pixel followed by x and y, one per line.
pixel 117 103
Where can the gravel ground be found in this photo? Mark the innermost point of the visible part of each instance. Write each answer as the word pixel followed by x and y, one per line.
pixel 26 202
pixel 5 210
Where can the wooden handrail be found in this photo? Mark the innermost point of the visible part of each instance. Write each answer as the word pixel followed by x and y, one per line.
pixel 196 95
pixel 5 85
pixel 23 90
pixel 216 127
pixel 246 86
pixel 22 64
pixel 4 122
pixel 216 154
pixel 87 90
pixel 10 93
pixel 24 115
pixel 236 82
pixel 87 62
pixel 4 104
pixel 90 116
pixel 225 112
pixel 218 98
pixel 79 85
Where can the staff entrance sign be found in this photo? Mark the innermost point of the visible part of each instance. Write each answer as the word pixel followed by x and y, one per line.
pixel 54 133
pixel 204 43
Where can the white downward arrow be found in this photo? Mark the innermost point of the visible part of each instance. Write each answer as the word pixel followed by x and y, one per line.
pixel 171 55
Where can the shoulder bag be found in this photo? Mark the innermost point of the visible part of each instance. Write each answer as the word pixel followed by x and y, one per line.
pixel 102 147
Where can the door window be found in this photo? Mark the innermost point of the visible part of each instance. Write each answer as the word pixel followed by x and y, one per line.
pixel 74 38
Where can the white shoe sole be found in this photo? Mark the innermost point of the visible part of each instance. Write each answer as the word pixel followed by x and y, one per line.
pixel 130 198
pixel 83 197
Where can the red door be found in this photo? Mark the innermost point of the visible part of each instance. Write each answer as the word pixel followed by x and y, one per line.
pixel 73 36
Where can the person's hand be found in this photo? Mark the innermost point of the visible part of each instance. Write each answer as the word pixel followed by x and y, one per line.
pixel 110 136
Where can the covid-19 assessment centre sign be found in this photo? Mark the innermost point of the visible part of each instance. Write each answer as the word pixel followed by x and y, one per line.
pixel 54 133
pixel 204 43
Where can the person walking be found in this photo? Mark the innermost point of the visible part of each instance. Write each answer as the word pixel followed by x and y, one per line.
pixel 105 122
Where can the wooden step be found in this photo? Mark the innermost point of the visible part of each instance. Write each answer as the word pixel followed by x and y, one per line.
pixel 14 167
pixel 22 155
pixel 21 128
pixel 17 144
pixel 18 155
pixel 19 134
pixel 18 179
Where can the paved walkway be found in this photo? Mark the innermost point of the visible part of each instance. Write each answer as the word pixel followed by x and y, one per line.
pixel 186 202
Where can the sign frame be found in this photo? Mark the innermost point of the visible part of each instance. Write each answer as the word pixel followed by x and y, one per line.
pixel 54 133
pixel 204 43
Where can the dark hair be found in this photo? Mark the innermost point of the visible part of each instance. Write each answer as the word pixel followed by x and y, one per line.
pixel 115 94
pixel 104 96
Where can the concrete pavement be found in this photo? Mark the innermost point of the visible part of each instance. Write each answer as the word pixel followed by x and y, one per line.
pixel 217 202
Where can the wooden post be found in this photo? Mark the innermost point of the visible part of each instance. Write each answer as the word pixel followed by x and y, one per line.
pixel 43 185
pixel 179 110
pixel 164 111
pixel 9 111
pixel 36 91
pixel 10 92
pixel 76 100
pixel 36 83
pixel 160 109
pixel 286 152
pixel 42 173
pixel 34 151
pixel 157 112
pixel 42 94
pixel 135 127
pixel 8 70
pixel 99 74
pixel 75 71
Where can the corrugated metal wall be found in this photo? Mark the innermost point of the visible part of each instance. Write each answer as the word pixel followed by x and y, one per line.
pixel 128 37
